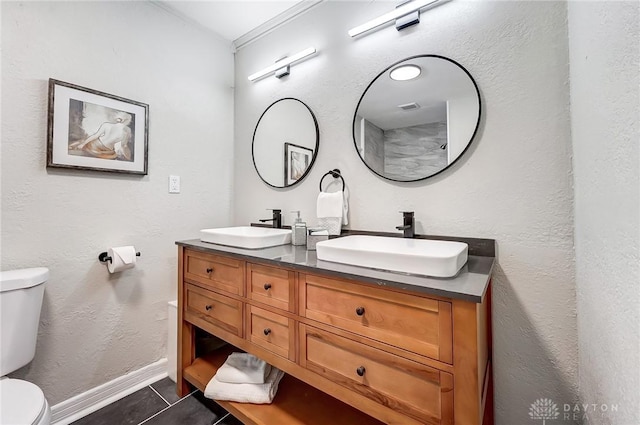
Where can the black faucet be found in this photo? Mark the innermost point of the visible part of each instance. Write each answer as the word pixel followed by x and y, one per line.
pixel 277 219
pixel 409 224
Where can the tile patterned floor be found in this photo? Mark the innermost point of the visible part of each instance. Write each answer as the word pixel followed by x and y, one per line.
pixel 158 404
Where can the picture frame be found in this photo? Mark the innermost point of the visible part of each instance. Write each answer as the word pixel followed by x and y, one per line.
pixel 296 161
pixel 96 131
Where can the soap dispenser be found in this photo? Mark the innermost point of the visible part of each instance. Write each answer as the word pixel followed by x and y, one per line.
pixel 299 231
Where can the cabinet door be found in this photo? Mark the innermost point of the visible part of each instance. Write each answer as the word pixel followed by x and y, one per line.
pixel 213 309
pixel 215 272
pixel 271 286
pixel 417 324
pixel 420 392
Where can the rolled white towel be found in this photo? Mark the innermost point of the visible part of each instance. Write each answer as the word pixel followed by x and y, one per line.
pixel 245 393
pixel 243 368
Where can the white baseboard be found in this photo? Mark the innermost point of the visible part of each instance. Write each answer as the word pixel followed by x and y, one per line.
pixel 96 398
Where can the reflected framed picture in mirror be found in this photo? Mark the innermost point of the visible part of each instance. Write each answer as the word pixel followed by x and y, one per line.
pixel 296 161
pixel 285 143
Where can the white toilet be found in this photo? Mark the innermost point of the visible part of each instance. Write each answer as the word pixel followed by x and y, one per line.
pixel 21 293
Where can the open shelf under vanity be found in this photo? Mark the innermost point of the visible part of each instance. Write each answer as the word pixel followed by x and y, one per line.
pixel 296 403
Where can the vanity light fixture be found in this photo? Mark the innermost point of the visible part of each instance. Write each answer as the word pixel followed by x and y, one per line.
pixel 281 67
pixel 405 72
pixel 405 15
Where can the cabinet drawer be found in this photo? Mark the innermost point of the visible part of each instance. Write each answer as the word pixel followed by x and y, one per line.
pixel 214 271
pixel 420 325
pixel 271 286
pixel 271 331
pixel 215 309
pixel 421 392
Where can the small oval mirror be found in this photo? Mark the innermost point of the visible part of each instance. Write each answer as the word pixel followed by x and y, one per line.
pixel 416 118
pixel 285 142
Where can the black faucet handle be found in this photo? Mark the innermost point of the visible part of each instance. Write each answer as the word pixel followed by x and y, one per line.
pixel 408 224
pixel 276 217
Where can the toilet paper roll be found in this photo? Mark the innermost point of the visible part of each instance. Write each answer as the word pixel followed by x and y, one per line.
pixel 122 258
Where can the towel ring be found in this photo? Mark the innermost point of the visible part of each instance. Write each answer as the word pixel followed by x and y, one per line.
pixel 335 173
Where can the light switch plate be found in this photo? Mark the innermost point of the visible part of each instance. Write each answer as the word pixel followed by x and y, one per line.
pixel 174 184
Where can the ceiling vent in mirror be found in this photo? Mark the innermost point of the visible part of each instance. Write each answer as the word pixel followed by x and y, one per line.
pixel 409 106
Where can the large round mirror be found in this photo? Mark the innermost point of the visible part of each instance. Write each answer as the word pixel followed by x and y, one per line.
pixel 285 143
pixel 416 118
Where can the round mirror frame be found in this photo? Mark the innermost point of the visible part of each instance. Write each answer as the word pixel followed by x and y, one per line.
pixel 475 130
pixel 315 151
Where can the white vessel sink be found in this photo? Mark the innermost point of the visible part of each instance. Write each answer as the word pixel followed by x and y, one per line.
pixel 246 236
pixel 417 256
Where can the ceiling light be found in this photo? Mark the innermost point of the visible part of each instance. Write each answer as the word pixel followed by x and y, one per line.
pixel 399 12
pixel 405 72
pixel 277 67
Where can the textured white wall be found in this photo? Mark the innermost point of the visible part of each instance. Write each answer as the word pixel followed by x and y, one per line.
pixel 94 326
pixel 514 184
pixel 605 110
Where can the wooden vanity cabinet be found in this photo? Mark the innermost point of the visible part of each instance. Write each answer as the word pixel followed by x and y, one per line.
pixel 354 353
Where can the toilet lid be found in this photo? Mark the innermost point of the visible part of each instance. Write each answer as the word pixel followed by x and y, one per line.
pixel 21 402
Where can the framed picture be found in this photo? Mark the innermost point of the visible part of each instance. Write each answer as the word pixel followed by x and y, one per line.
pixel 91 130
pixel 296 161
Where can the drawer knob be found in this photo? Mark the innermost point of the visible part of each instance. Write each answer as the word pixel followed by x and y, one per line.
pixel 208 307
pixel 267 331
pixel 360 371
pixel 360 311
pixel 209 270
pixel 267 286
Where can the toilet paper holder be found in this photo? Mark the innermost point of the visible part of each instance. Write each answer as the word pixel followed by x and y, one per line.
pixel 104 257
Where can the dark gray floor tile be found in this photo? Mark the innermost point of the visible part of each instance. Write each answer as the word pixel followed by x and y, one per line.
pixel 229 420
pixel 130 410
pixel 212 405
pixel 192 410
pixel 167 389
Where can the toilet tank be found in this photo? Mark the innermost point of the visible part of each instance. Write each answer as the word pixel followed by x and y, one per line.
pixel 21 293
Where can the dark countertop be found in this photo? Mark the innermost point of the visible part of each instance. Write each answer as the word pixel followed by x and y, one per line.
pixel 470 284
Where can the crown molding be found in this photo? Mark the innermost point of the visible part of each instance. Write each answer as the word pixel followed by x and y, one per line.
pixel 164 6
pixel 275 22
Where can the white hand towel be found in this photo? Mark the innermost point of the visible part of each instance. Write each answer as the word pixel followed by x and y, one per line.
pixel 345 207
pixel 243 368
pixel 245 393
pixel 330 204
pixel 332 211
